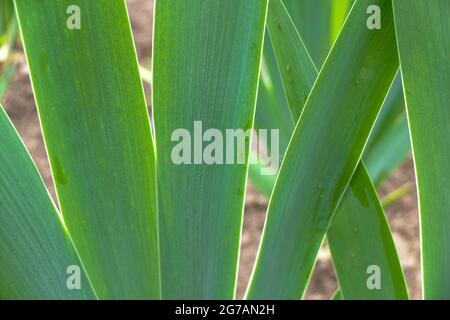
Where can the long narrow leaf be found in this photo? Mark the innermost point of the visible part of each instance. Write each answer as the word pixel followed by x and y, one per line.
pixel 392 110
pixel 97 132
pixel 5 79
pixel 36 252
pixel 296 66
pixel 272 113
pixel 6 15
pixel 388 145
pixel 391 144
pixel 205 68
pixel 272 110
pixel 362 246
pixel 423 35
pixel 362 211
pixel 313 20
pixel 390 151
pixel 335 124
pixel 339 11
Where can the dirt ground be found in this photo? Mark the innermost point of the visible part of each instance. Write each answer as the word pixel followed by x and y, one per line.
pixel 403 216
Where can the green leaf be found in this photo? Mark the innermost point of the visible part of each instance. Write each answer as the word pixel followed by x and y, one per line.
pixel 263 183
pixel 6 15
pixel 8 30
pixel 324 152
pixel 272 110
pixel 423 35
pixel 313 20
pixel 35 248
pixel 297 80
pixel 388 145
pixel 337 295
pixel 5 79
pixel 392 110
pixel 362 252
pixel 205 68
pixel 361 245
pixel 390 151
pixel 391 144
pixel 339 11
pixel 97 132
pixel 389 139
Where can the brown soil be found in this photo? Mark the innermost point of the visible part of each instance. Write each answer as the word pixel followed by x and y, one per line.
pixel 403 216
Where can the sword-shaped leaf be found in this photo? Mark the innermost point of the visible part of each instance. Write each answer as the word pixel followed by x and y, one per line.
pixel 423 36
pixel 205 69
pixel 324 152
pixel 94 118
pixel 37 257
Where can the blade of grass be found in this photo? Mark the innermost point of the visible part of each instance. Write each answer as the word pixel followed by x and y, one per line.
pixel 349 92
pixel 205 68
pixel 35 248
pixel 97 132
pixel 423 36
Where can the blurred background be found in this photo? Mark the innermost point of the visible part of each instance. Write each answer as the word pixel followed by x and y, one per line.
pixel 397 191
